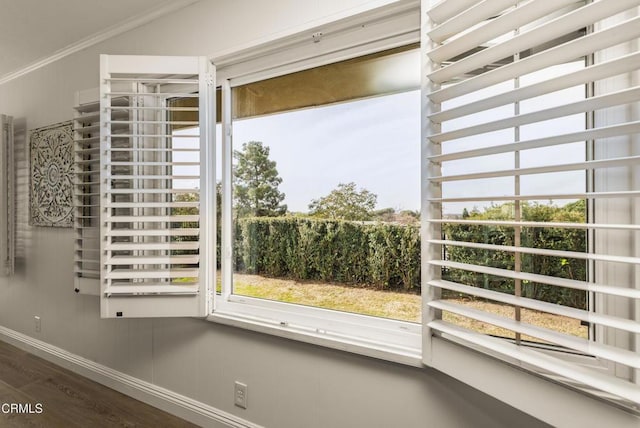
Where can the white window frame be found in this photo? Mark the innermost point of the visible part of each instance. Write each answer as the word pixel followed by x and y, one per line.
pixel 384 28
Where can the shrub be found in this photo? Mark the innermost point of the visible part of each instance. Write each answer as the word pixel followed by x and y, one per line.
pixel 381 254
pixel 387 255
pixel 564 239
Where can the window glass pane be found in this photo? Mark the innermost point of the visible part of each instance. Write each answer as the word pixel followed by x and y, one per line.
pixel 326 197
pixel 505 207
pixel 387 72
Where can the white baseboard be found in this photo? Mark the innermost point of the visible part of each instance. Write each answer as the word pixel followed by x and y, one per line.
pixel 179 405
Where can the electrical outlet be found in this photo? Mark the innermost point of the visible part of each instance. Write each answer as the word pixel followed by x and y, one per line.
pixel 38 324
pixel 240 395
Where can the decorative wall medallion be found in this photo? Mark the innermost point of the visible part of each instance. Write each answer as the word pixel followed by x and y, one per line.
pixel 51 159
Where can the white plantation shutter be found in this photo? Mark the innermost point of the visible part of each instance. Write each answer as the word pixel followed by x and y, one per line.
pixel 7 192
pixel 155 175
pixel 87 192
pixel 504 125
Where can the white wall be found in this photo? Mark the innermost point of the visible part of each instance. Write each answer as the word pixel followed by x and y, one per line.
pixel 291 384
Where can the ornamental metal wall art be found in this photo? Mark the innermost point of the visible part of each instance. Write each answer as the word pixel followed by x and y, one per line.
pixel 51 189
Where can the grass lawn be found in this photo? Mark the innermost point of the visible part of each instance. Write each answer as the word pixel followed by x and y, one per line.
pixel 388 304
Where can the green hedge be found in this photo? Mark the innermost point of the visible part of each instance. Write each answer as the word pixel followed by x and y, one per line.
pixel 379 254
pixel 387 255
pixel 563 239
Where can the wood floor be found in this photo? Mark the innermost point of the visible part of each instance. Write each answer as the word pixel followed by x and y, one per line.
pixel 67 400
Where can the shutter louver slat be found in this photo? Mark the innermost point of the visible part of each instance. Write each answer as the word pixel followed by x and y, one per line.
pixel 590 134
pixel 123 260
pixel 479 12
pixel 548 31
pixel 609 163
pixel 568 370
pixel 619 323
pixel 150 289
pixel 539 251
pixel 445 10
pixel 496 27
pixel 505 99
pixel 624 357
pixel 542 196
pixel 595 72
pixel 155 261
pixel 611 36
pixel 560 282
pixel 617 98
pixel 632 227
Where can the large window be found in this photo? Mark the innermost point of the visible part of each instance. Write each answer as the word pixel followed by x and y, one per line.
pixel 320 184
pixel 287 198
pixel 326 186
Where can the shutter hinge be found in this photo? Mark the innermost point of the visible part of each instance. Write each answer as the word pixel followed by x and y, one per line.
pixel 209 79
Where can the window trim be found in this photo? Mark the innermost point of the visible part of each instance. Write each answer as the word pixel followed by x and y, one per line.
pixel 381 29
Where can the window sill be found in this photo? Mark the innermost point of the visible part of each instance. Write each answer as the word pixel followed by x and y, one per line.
pixel 357 345
pixel 538 396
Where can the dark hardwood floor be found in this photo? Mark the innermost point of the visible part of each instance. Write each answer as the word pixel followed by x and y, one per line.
pixel 67 399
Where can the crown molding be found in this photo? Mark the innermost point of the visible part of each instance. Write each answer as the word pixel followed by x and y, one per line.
pixel 115 30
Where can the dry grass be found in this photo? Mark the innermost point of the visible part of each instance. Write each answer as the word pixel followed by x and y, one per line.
pixel 389 304
pixel 386 304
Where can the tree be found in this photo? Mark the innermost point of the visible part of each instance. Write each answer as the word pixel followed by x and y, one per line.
pixel 390 215
pixel 345 203
pixel 256 182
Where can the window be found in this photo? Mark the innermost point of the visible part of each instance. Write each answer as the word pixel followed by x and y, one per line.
pixel 154 260
pixel 320 183
pixel 530 191
pixel 325 186
pixel 529 185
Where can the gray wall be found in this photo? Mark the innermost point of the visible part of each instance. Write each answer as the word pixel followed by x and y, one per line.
pixel 291 384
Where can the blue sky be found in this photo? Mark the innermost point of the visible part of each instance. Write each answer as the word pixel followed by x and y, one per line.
pixel 373 142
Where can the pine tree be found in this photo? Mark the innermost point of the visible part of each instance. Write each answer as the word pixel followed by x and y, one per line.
pixel 256 182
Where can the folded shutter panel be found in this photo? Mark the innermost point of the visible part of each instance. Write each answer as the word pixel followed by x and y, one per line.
pixel 154 178
pixel 87 192
pixel 490 105
pixel 7 192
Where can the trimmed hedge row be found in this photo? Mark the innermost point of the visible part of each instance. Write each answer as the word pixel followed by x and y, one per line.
pixel 387 255
pixel 548 238
pixel 380 254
